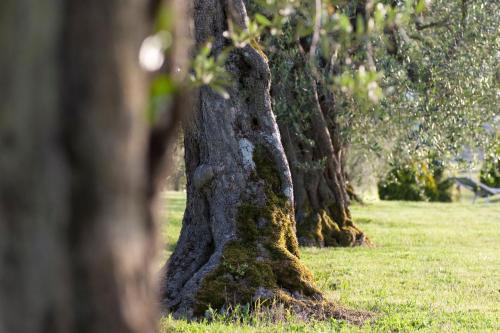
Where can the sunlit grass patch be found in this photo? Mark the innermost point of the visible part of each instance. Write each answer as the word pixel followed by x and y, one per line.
pixel 434 268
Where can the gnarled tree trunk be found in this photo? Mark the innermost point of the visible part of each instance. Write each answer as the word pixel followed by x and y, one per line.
pixel 75 222
pixel 321 199
pixel 238 240
pixel 314 151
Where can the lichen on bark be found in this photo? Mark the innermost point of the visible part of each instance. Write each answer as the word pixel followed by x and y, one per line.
pixel 319 229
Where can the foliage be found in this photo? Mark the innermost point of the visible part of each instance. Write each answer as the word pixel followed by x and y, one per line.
pixel 416 182
pixel 401 184
pixel 435 269
pixel 490 173
pixel 208 69
pixel 440 78
pixel 170 77
pixel 409 77
pixel 311 44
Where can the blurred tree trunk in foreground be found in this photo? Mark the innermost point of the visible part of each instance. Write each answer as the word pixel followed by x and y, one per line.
pixel 76 181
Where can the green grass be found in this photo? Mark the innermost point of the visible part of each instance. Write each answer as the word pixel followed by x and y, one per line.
pixel 435 268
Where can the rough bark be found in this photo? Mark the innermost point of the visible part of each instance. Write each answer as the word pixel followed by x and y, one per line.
pixel 321 199
pixel 75 233
pixel 238 241
pixel 314 151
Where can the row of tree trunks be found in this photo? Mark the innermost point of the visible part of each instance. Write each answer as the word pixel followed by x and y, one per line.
pixel 76 181
pixel 238 241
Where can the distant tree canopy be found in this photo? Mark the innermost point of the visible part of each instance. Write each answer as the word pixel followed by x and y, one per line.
pixel 440 81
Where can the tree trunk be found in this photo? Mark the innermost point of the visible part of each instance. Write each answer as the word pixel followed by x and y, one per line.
pixel 314 153
pixel 75 227
pixel 238 241
pixel 321 200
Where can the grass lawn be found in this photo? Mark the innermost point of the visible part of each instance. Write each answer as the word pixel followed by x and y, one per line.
pixel 435 268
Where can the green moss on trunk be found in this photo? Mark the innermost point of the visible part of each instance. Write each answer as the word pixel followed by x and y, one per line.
pixel 263 262
pixel 319 229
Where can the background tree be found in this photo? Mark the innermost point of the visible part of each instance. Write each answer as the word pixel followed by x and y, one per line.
pixel 305 61
pixel 304 105
pixel 440 72
pixel 76 174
